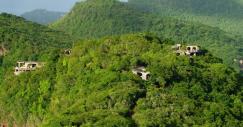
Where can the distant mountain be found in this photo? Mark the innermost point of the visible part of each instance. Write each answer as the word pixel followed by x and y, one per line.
pixel 97 18
pixel 42 16
pixel 225 14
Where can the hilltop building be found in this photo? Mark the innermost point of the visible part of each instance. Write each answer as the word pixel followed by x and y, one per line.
pixel 191 50
pixel 141 72
pixel 26 66
pixel 67 52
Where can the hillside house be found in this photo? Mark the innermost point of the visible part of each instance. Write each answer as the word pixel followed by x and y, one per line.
pixel 26 66
pixel 192 50
pixel 67 52
pixel 178 50
pixel 141 72
pixel 176 47
pixel 189 51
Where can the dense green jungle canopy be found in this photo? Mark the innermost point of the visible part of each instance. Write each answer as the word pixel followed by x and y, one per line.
pixel 94 85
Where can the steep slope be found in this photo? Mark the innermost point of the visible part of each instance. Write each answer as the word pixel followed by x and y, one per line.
pixel 225 8
pixel 222 44
pixel 97 18
pixel 42 16
pixel 225 14
pixel 26 41
pixel 23 40
pixel 95 86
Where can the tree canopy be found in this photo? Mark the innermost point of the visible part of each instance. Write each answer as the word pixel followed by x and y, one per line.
pixel 88 78
pixel 96 18
pixel 94 86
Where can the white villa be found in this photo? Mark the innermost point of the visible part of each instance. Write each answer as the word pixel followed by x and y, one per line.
pixel 26 66
pixel 141 72
pixel 191 50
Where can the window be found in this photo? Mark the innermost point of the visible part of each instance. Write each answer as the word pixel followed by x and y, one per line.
pixel 139 74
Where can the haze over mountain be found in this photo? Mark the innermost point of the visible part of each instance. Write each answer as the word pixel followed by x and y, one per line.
pixel 97 18
pixel 19 7
pixel 225 14
pixel 42 16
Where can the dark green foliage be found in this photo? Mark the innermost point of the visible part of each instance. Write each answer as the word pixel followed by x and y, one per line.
pixel 96 18
pixel 220 43
pixel 25 40
pixel 42 16
pixel 225 14
pixel 228 8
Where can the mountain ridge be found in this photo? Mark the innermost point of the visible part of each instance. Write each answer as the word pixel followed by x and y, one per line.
pixel 42 16
pixel 225 14
pixel 94 18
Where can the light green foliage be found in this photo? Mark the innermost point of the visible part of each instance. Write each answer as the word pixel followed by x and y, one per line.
pixel 27 41
pixel 96 18
pixel 95 87
pixel 225 14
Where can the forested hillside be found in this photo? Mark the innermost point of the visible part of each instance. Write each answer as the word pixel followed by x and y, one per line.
pixel 24 40
pixel 224 45
pixel 96 72
pixel 97 18
pixel 42 16
pixel 225 14
pixel 94 86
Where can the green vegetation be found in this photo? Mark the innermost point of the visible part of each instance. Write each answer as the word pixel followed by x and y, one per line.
pixel 97 18
pixel 28 41
pixel 220 43
pixel 42 16
pixel 225 14
pixel 94 86
pixel 25 40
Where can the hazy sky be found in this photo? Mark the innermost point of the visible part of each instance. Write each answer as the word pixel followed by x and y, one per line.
pixel 20 6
